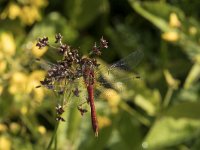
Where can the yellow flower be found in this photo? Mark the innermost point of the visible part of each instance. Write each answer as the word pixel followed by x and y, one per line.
pixel 14 127
pixel 113 99
pixel 3 65
pixel 42 130
pixel 170 36
pixel 13 11
pixel 38 52
pixel 3 127
pixel 7 44
pixel 18 83
pixel 33 81
pixel 1 89
pixel 24 110
pixel 1 53
pixel 103 121
pixel 38 94
pixel 174 21
pixel 39 3
pixel 5 143
pixel 192 30
pixel 29 14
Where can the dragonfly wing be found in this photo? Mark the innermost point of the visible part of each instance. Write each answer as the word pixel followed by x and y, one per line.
pixel 129 62
pixel 46 65
pixel 123 69
pixel 120 76
pixel 119 83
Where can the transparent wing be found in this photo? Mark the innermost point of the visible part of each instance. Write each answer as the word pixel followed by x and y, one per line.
pixel 121 71
pixel 46 65
pixel 129 62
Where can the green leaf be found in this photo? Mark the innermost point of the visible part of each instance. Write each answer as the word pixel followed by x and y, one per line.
pixel 193 76
pixel 99 142
pixel 160 18
pixel 145 104
pixel 168 131
pixel 185 110
pixel 83 12
pixel 52 24
pixel 129 131
pixel 177 125
pixel 151 11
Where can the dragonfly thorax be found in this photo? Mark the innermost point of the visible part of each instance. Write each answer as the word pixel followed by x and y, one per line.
pixel 88 67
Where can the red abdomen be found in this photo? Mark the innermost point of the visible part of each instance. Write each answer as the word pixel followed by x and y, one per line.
pixel 90 90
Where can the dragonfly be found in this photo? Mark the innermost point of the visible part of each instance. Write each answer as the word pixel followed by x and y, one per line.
pixel 74 68
pixel 89 75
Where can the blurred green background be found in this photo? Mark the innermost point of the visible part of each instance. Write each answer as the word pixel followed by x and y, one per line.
pixel 161 111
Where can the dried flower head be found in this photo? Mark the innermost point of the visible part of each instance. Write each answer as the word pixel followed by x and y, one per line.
pixel 71 67
pixel 58 38
pixel 42 42
pixel 103 43
pixel 82 110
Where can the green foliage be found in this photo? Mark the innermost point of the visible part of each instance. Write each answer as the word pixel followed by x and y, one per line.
pixel 159 111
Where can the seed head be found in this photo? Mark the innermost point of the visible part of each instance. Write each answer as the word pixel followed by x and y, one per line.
pixel 103 43
pixel 42 42
pixel 58 38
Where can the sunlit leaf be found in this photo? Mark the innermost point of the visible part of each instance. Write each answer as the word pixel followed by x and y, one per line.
pixel 179 124
pixel 170 132
pixel 193 76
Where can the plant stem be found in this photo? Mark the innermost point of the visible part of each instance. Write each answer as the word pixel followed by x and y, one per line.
pixel 168 97
pixel 55 143
pixel 53 136
pixel 134 113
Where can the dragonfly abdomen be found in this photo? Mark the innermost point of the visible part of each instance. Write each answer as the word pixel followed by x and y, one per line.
pixel 90 90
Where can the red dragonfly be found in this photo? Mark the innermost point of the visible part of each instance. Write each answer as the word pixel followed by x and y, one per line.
pixel 90 76
pixel 73 69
